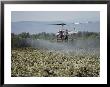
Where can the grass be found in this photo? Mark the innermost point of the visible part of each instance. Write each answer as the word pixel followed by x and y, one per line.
pixel 31 62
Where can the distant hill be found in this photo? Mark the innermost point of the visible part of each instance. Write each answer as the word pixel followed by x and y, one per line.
pixel 37 26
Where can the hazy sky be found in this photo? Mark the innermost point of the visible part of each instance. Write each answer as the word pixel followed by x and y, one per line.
pixel 68 16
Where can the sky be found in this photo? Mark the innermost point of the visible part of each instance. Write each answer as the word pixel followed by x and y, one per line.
pixel 67 16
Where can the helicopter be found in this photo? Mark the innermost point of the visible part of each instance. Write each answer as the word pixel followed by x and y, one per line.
pixel 63 34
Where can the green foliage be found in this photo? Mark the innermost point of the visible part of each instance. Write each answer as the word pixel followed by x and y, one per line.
pixel 85 35
pixel 43 35
pixel 24 35
pixel 20 40
pixel 29 62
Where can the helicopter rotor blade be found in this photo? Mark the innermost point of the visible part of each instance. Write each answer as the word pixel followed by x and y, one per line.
pixel 59 24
